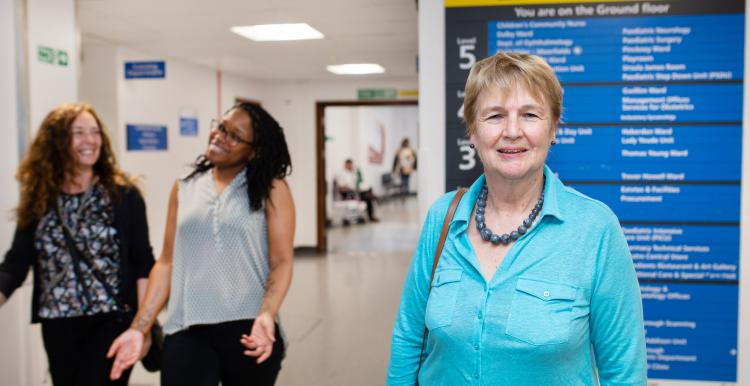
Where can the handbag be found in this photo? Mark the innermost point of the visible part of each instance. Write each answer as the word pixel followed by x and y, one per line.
pixel 152 360
pixel 439 250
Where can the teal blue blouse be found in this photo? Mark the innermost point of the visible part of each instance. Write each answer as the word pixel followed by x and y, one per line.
pixel 563 308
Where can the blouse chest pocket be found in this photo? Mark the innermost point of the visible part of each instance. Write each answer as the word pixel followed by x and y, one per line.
pixel 541 312
pixel 442 300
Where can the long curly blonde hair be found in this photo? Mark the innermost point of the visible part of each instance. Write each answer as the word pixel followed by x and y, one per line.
pixel 49 160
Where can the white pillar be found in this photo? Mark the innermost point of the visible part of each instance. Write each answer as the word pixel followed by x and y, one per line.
pixel 12 320
pixel 42 37
pixel 431 176
pixel 51 29
pixel 743 343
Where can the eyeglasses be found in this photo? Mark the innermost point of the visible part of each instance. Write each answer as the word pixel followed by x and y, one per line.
pixel 233 137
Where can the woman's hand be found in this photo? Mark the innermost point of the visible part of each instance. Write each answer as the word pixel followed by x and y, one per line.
pixel 134 343
pixel 280 217
pixel 261 339
pixel 127 349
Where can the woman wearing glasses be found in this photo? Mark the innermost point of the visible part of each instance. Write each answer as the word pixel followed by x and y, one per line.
pixel 226 263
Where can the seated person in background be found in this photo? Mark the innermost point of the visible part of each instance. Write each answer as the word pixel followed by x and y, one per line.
pixel 349 185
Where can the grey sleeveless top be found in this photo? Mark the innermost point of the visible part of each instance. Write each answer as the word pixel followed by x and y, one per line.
pixel 220 263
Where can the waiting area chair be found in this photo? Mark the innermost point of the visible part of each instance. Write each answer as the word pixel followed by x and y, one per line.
pixel 346 210
pixel 391 186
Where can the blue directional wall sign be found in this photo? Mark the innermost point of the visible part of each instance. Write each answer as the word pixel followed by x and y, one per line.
pixel 146 70
pixel 147 137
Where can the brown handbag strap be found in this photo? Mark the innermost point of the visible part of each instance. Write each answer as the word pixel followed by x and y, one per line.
pixel 444 232
pixel 438 251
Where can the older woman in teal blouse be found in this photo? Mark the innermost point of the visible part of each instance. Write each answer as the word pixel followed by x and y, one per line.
pixel 535 284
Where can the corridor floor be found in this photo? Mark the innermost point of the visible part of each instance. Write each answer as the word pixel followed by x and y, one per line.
pixel 339 312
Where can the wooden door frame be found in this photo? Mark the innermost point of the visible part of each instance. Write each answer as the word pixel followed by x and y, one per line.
pixel 320 165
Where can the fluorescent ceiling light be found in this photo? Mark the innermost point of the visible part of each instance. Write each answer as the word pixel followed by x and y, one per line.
pixel 356 69
pixel 278 32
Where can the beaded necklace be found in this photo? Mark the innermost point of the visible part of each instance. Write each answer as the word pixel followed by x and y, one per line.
pixel 507 238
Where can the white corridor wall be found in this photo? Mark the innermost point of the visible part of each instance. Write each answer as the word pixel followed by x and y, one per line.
pixel 13 318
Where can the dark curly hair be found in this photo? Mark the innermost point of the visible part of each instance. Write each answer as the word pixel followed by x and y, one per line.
pixel 48 161
pixel 271 156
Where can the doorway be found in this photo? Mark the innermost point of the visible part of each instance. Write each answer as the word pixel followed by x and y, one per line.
pixel 368 133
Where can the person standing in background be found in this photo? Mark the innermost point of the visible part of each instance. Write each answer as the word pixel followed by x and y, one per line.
pixel 82 227
pixel 404 164
pixel 226 264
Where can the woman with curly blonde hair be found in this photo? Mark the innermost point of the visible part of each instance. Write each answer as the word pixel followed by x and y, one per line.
pixel 81 226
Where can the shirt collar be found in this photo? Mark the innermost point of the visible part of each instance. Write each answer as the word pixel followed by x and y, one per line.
pixel 552 187
pixel 466 205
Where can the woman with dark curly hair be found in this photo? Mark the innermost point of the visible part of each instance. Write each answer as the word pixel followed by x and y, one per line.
pixel 82 227
pixel 226 264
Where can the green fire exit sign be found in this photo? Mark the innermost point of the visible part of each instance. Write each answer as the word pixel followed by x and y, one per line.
pixel 52 56
pixel 377 93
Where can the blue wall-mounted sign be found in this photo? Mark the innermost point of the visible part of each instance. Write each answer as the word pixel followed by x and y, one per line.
pixel 146 70
pixel 147 137
pixel 189 126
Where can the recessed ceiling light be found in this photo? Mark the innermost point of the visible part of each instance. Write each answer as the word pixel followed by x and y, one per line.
pixel 278 32
pixel 356 69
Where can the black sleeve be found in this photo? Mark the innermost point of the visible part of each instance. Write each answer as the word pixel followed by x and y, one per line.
pixel 140 248
pixel 18 260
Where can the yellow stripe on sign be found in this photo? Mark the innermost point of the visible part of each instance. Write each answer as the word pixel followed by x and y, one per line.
pixel 410 93
pixel 488 3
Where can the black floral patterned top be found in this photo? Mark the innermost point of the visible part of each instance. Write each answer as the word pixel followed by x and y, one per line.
pixel 90 220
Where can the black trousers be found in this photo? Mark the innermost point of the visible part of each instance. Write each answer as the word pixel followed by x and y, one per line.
pixel 204 355
pixel 77 349
pixel 405 184
pixel 367 197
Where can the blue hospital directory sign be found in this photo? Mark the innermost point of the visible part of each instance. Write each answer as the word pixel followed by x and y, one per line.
pixel 146 70
pixel 652 112
pixel 146 137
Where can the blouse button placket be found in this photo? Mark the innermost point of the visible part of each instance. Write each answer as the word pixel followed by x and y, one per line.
pixel 215 219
